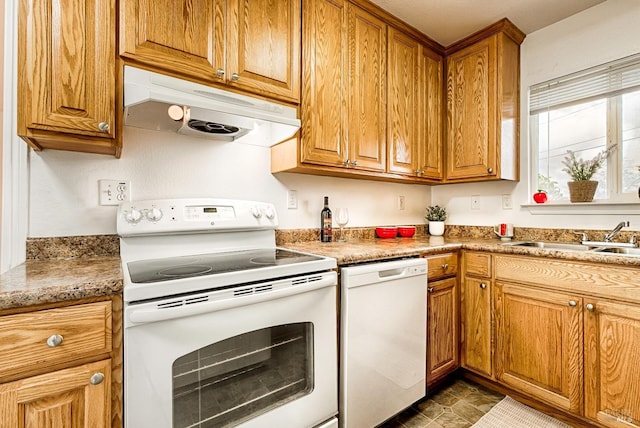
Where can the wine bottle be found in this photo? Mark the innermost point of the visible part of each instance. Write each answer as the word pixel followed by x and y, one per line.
pixel 325 222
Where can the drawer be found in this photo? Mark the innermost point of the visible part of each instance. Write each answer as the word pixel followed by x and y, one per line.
pixel 85 331
pixel 600 280
pixel 478 264
pixel 441 266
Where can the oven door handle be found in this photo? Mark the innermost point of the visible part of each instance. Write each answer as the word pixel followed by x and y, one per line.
pixel 149 312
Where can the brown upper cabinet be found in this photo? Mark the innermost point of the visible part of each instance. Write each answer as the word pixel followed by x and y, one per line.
pixel 252 45
pixel 483 99
pixel 66 75
pixel 371 97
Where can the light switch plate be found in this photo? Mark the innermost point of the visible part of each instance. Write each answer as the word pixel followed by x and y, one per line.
pixel 114 192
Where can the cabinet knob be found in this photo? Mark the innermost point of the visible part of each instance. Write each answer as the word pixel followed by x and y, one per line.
pixel 103 126
pixel 54 340
pixel 590 307
pixel 572 303
pixel 483 285
pixel 445 266
pixel 419 172
pixel 235 77
pixel 430 290
pixel 354 162
pixel 490 170
pixel 96 378
pixel 347 162
pixel 220 73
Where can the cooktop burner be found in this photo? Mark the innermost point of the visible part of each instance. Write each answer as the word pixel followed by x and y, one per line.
pixel 173 268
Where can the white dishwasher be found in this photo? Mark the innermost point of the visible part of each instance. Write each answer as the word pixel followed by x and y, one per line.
pixel 383 331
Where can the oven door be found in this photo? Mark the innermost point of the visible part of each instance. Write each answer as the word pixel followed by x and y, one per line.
pixel 259 359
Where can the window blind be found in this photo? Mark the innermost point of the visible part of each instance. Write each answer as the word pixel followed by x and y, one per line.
pixel 606 80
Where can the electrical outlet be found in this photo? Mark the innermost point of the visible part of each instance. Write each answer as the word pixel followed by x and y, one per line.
pixel 507 203
pixel 401 203
pixel 292 199
pixel 475 202
pixel 114 192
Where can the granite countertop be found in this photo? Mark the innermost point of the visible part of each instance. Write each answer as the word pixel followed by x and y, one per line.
pixel 364 250
pixel 49 281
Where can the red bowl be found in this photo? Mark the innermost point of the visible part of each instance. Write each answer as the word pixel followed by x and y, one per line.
pixel 406 231
pixel 386 232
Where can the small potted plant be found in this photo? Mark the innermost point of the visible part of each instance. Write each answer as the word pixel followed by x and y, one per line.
pixel 436 215
pixel 582 188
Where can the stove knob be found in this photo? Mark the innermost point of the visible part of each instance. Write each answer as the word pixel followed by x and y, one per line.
pixel 269 213
pixel 256 212
pixel 154 214
pixel 134 216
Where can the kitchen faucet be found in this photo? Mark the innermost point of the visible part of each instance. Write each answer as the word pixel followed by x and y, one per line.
pixel 609 236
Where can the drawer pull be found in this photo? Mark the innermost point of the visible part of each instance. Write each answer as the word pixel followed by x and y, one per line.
pixel 97 378
pixel 430 290
pixel 54 340
pixel 445 266
pixel 590 307
pixel 572 303
pixel 483 285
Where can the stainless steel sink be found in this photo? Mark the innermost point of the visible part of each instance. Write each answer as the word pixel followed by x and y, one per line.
pixel 617 250
pixel 565 246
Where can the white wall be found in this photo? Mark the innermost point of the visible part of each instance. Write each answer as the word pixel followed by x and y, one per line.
pixel 64 186
pixel 600 34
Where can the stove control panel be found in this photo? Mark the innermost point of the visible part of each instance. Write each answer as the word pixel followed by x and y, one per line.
pixel 165 216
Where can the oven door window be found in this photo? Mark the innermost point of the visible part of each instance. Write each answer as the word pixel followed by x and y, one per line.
pixel 242 377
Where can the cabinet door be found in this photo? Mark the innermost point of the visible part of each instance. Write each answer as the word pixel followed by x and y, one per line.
pixel 367 90
pixel 442 329
pixel 539 344
pixel 62 399
pixel 471 111
pixel 612 373
pixel 264 47
pixel 403 120
pixel 66 68
pixel 476 343
pixel 179 36
pixel 324 74
pixel 429 150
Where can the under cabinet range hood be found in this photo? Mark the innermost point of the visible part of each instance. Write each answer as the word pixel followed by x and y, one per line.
pixel 163 103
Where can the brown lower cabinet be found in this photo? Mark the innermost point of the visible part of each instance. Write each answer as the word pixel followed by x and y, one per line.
pixel 61 366
pixel 564 333
pixel 442 317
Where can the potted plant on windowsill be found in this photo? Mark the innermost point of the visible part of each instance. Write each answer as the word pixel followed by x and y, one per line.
pixel 582 188
pixel 436 215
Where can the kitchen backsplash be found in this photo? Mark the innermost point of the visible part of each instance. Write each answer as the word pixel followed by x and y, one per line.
pixel 72 247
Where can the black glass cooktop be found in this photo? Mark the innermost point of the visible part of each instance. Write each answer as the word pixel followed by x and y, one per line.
pixel 172 268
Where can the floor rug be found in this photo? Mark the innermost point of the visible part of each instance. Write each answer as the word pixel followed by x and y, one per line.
pixel 509 413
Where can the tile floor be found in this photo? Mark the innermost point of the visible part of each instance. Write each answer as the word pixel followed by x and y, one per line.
pixel 457 405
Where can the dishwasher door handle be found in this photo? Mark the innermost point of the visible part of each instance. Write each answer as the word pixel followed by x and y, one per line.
pixel 392 273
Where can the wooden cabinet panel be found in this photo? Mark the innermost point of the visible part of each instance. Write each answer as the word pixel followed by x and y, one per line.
pixel 476 326
pixel 471 109
pixel 186 37
pixel 367 90
pixel 264 46
pixel 62 399
pixel 403 87
pixel 85 330
pixel 66 75
pixel 478 264
pixel 442 329
pixel 429 150
pixel 612 352
pixel 441 266
pixel 323 110
pixel 539 344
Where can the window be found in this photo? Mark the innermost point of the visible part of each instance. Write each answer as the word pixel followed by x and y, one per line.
pixel 588 112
